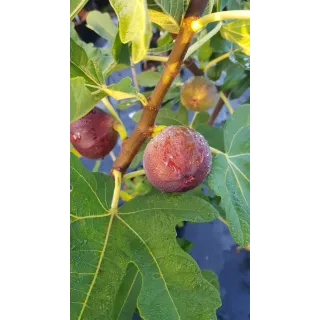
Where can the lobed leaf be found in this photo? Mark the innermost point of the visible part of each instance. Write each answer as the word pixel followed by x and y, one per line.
pixel 167 14
pixel 123 90
pixel 101 23
pixel 134 25
pixel 143 234
pixel 230 175
pixel 81 99
pixel 82 66
pixel 127 295
pixel 211 277
pixel 86 83
pixel 238 32
pixel 101 55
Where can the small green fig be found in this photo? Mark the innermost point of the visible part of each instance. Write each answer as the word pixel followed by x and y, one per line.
pixel 199 94
pixel 93 135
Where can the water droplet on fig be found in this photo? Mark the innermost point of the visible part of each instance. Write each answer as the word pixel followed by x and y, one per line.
pixel 76 136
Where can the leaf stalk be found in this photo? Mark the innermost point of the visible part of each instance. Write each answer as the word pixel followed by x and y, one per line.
pixel 219 16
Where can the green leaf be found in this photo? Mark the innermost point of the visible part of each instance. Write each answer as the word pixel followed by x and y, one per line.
pixel 121 54
pixel 164 21
pixel 148 78
pixel 124 90
pixel 164 39
pixel 238 32
pixel 240 87
pixel 200 117
pixel 230 174
pixel 134 25
pixel 214 73
pixel 167 14
pixel 234 5
pixel 81 99
pixel 168 117
pixel 208 8
pixel 220 5
pixel 205 51
pixel 127 295
pixel 185 244
pixel 234 74
pixel 219 44
pixel 139 156
pixel 102 24
pixel 101 55
pixel 82 66
pixel 200 41
pixel 123 105
pixel 214 135
pixel 241 59
pixel 142 233
pixel 166 47
pixel 211 277
pixel 76 6
pixel 172 93
pixel 84 74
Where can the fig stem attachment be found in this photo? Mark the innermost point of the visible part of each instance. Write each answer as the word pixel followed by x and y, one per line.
pixel 226 102
pixel 115 115
pixel 193 119
pixel 121 130
pixel 96 166
pixel 134 174
pixel 156 130
pixel 219 16
pixel 116 192
pixel 215 151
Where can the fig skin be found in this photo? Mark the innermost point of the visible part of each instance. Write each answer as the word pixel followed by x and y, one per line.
pixel 199 94
pixel 93 135
pixel 177 159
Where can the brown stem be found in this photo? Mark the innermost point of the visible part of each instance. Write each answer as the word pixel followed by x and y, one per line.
pixel 217 109
pixel 190 64
pixel 144 127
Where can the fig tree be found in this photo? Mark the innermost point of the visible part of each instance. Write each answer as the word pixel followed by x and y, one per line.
pixel 199 94
pixel 93 135
pixel 177 159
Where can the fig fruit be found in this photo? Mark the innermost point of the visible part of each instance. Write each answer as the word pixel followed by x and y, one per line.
pixel 177 159
pixel 199 94
pixel 93 135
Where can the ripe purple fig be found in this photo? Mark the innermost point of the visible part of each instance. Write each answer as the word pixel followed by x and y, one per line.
pixel 177 159
pixel 93 135
pixel 199 94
